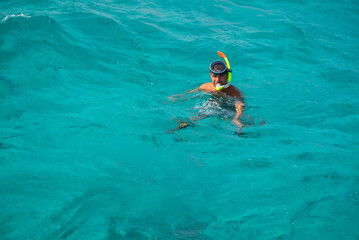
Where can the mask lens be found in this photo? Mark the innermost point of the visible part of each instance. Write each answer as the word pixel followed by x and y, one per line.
pixel 218 68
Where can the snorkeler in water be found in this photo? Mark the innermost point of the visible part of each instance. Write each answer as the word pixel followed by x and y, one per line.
pixel 219 87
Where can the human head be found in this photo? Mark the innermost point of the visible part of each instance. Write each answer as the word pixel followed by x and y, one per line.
pixel 219 73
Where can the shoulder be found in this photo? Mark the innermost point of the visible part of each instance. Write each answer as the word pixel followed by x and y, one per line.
pixel 235 92
pixel 206 86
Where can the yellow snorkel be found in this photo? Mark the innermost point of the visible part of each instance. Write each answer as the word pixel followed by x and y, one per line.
pixel 218 86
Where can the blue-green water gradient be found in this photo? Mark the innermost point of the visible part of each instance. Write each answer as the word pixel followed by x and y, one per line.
pixel 84 108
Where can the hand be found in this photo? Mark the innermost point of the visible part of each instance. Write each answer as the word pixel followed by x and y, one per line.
pixel 237 123
pixel 182 124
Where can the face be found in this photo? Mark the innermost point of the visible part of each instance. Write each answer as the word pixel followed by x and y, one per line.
pixel 219 79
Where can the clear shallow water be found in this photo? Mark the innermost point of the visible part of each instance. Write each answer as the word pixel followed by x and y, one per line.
pixel 84 106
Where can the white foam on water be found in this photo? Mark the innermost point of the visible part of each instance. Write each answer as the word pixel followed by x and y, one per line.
pixel 14 15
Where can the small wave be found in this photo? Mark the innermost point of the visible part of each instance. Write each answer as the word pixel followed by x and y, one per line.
pixel 14 15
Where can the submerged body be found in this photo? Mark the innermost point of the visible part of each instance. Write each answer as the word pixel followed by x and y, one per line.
pixel 222 98
pixel 230 91
pixel 220 87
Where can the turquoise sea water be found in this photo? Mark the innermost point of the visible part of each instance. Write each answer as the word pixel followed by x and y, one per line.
pixel 84 108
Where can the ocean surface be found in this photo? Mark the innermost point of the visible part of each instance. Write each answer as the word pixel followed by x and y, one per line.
pixel 85 104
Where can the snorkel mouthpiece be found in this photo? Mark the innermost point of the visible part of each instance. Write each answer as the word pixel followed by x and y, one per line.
pixel 220 87
pixel 227 68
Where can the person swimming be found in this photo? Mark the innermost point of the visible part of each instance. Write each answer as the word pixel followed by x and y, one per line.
pixel 221 91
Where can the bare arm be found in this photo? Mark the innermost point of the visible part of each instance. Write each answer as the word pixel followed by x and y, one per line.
pixel 195 90
pixel 239 104
pixel 181 97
